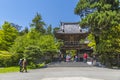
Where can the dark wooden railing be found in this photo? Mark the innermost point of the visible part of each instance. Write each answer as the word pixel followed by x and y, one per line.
pixel 73 44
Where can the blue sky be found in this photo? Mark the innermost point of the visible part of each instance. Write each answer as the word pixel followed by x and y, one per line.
pixel 53 12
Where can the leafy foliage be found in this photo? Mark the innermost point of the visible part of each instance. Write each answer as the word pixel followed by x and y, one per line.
pixel 16 26
pixel 92 43
pixel 8 35
pixel 32 53
pixel 104 24
pixel 38 24
pixel 24 31
pixel 49 29
pixel 47 43
pixel 8 59
pixel 32 43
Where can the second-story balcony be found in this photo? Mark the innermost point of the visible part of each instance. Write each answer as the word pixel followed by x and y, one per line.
pixel 74 44
pixel 71 43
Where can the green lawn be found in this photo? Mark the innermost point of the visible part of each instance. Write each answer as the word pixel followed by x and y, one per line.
pixel 16 68
pixel 9 69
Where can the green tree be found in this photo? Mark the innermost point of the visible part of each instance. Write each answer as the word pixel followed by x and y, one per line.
pixel 33 54
pixel 92 41
pixel 100 19
pixel 19 45
pixel 38 24
pixel 46 43
pixel 16 26
pixel 1 39
pixel 102 22
pixel 9 34
pixel 105 16
pixel 49 29
pixel 30 38
pixel 49 46
pixel 24 31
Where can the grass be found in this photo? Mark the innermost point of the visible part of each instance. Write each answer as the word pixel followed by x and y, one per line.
pixel 9 69
pixel 16 68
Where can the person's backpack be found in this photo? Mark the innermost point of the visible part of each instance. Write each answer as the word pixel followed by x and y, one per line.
pixel 20 62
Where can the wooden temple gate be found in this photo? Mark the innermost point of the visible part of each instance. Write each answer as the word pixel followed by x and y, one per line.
pixel 71 34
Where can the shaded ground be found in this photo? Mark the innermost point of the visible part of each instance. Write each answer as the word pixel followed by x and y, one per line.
pixel 65 73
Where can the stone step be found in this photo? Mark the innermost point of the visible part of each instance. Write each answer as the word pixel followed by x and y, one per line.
pixel 68 64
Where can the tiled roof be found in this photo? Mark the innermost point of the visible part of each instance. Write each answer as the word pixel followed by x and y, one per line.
pixel 72 27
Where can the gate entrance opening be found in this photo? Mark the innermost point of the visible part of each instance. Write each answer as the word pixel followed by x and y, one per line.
pixel 73 37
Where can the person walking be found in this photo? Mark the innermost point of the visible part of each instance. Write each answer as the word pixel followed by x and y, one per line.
pixel 94 60
pixel 20 64
pixel 85 57
pixel 76 58
pixel 24 65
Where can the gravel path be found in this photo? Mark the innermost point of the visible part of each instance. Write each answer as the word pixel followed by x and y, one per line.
pixel 65 73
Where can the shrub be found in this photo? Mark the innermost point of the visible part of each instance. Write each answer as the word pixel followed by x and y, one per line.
pixel 7 59
pixel 34 66
pixel 33 54
pixel 41 65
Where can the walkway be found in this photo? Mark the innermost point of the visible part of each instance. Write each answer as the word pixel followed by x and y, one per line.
pixel 68 64
pixel 65 73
